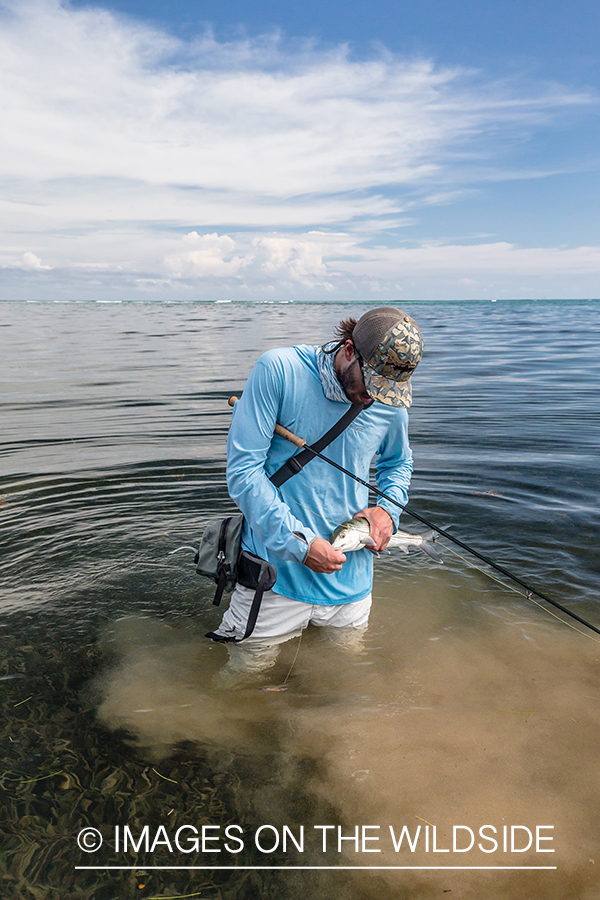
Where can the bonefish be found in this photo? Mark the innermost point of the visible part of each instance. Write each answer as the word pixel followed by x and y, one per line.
pixel 354 535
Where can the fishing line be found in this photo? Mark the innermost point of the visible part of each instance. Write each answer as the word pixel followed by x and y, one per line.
pixel 302 444
pixel 521 594
pixel 469 562
pixel 295 658
pixel 450 537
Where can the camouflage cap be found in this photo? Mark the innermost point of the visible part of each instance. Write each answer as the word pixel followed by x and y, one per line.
pixel 390 345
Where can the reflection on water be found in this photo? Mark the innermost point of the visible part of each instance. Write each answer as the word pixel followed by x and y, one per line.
pixel 468 705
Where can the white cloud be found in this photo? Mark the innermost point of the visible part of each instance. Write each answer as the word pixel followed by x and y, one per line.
pixel 338 261
pixel 28 261
pixel 296 258
pixel 206 254
pixel 89 95
pixel 145 160
pixel 31 261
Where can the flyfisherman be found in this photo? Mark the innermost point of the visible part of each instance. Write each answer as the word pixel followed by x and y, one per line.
pixel 307 389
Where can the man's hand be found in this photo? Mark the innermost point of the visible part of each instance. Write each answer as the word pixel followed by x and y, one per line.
pixel 321 557
pixel 381 526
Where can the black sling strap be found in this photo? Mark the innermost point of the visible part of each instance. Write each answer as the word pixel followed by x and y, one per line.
pixel 296 463
pixel 264 579
pixel 259 575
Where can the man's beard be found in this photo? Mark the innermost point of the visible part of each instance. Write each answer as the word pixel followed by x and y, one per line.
pixel 351 381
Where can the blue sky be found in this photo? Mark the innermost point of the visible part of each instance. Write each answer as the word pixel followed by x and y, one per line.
pixel 390 151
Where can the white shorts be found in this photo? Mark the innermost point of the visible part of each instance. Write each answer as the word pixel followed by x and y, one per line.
pixel 281 618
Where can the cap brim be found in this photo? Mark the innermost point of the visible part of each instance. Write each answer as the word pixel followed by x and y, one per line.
pixel 384 390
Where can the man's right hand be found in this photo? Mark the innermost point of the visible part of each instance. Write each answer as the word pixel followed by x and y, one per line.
pixel 321 557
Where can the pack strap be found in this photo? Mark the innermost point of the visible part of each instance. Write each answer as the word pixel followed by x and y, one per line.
pixel 267 574
pixel 260 576
pixel 263 583
pixel 296 463
pixel 223 568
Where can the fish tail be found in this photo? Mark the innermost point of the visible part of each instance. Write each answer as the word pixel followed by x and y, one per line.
pixel 428 549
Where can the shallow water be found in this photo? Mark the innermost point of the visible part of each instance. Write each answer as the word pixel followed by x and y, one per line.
pixel 468 705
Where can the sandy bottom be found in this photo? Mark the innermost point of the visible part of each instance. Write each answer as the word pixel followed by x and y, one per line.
pixel 456 712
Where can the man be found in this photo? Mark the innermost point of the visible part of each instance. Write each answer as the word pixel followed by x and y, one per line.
pixel 307 389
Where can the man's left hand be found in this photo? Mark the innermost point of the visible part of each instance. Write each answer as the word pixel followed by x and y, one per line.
pixel 381 526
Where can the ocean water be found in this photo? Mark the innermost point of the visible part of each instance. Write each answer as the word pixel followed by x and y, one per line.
pixel 470 705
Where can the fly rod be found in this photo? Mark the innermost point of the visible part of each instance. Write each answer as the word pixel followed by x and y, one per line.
pixel 302 445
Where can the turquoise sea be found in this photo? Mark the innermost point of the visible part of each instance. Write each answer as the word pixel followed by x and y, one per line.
pixel 469 706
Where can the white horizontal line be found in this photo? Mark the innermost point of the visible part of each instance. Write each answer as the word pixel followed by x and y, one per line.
pixel 312 868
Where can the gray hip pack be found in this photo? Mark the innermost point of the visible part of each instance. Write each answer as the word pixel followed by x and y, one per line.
pixel 221 557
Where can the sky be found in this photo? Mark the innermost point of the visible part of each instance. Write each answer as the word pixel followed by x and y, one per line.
pixel 390 151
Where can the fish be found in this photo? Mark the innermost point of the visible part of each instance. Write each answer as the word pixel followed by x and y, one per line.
pixel 355 534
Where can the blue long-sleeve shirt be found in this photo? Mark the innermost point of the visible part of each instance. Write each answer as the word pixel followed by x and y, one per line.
pixel 284 387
